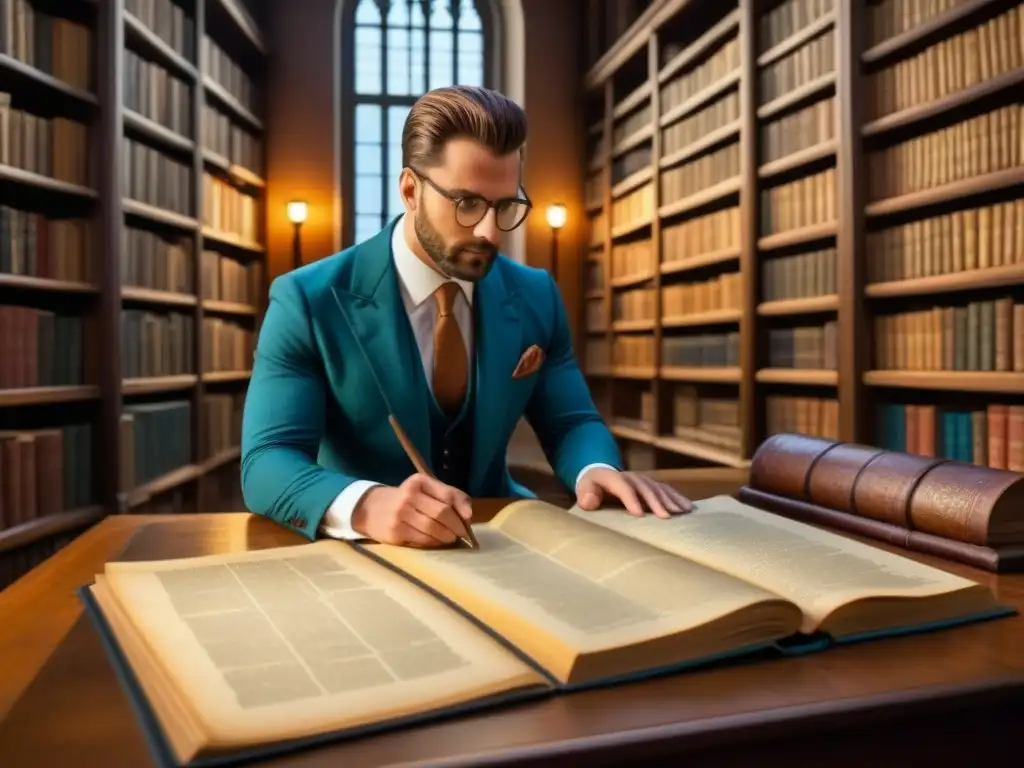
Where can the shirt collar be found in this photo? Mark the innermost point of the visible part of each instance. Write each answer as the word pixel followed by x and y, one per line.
pixel 419 280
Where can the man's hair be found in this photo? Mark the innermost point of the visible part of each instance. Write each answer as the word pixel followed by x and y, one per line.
pixel 442 114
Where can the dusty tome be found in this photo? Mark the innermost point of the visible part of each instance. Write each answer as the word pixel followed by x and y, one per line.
pixel 245 654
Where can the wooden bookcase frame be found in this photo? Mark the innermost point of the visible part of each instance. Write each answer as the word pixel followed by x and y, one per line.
pixel 111 27
pixel 855 384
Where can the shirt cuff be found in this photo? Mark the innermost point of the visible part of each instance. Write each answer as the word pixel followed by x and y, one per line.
pixel 337 521
pixel 587 469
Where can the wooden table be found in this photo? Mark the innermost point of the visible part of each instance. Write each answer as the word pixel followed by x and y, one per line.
pixel 933 700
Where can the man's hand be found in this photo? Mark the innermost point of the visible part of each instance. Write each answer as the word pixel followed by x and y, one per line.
pixel 421 512
pixel 638 493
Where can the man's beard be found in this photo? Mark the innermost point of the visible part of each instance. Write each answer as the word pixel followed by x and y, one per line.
pixel 455 260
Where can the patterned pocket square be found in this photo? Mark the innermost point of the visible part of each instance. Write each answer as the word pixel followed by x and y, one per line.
pixel 530 362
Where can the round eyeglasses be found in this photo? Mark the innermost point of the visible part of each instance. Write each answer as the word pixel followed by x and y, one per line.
pixel 470 209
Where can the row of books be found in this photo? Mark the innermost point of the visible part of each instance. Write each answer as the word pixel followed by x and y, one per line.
pixel 154 178
pixel 989 437
pixel 169 22
pixel 715 231
pixel 985 143
pixel 716 115
pixel 788 18
pixel 220 134
pixel 974 336
pixel 711 421
pixel 804 347
pixel 803 202
pixel 150 260
pixel 633 258
pixel 44 472
pixel 59 47
pixel 227 346
pixel 813 59
pixel 39 348
pixel 721 63
pixel 227 209
pixel 795 131
pixel 722 292
pixel 35 245
pixel 800 276
pixel 156 439
pixel 634 207
pixel 157 94
pixel 229 75
pixel 815 416
pixel 55 147
pixel 705 171
pixel 636 305
pixel 991 48
pixel 889 18
pixel 958 241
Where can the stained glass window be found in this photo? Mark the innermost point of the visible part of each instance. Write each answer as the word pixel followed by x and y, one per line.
pixel 399 50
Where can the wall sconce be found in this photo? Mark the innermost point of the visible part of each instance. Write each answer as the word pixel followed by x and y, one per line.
pixel 556 216
pixel 298 212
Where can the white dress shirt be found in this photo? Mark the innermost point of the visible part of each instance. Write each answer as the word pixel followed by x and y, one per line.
pixel 417 283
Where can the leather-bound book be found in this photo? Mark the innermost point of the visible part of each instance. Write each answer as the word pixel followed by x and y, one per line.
pixel 951 509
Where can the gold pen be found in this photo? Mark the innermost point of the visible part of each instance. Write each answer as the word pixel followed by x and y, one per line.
pixel 417 461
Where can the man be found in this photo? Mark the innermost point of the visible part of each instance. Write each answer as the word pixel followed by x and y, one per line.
pixel 425 322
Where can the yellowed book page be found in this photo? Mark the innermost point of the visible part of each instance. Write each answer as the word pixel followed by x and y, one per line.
pixel 816 569
pixel 294 641
pixel 552 584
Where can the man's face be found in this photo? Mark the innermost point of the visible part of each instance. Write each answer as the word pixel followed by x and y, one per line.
pixel 469 171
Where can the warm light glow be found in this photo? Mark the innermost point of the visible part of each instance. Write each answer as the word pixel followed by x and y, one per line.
pixel 298 210
pixel 556 215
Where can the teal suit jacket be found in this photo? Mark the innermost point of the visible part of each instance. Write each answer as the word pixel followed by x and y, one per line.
pixel 334 359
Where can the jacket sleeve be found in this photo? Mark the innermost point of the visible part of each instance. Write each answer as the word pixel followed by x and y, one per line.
pixel 561 410
pixel 283 419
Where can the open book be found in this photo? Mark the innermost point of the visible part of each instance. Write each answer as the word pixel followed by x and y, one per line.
pixel 252 653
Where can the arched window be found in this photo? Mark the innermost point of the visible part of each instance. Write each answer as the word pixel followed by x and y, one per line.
pixel 395 51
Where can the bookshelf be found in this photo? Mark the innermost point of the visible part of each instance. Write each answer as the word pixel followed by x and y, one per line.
pixel 808 216
pixel 131 261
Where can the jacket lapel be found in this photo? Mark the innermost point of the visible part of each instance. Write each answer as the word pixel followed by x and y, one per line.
pixel 371 305
pixel 498 338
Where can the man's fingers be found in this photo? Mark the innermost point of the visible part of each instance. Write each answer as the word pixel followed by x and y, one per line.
pixel 622 489
pixel 452 497
pixel 411 516
pixel 413 537
pixel 439 512
pixel 649 493
pixel 675 502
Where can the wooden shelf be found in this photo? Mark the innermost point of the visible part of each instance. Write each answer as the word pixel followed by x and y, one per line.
pixel 159 215
pixel 989 182
pixel 698 100
pixel 678 266
pixel 156 132
pixel 718 317
pixel 158 384
pixel 922 112
pixel 815 88
pixel 995 382
pixel 163 484
pixel 798 159
pixel 993 277
pixel 924 30
pixel 698 451
pixel 21 70
pixel 228 308
pixel 631 433
pixel 706 142
pixel 809 305
pixel 38 181
pixel 14 398
pixel 797 236
pixel 18 536
pixel 797 40
pixel 235 241
pixel 26 282
pixel 160 298
pixel 713 375
pixel 633 326
pixel 230 103
pixel 629 372
pixel 802 376
pixel 224 376
pixel 704 197
pixel 140 34
pixel 629 281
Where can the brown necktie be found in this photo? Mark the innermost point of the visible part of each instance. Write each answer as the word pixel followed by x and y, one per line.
pixel 450 363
